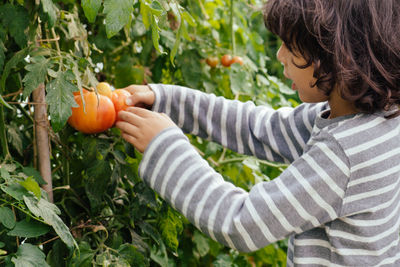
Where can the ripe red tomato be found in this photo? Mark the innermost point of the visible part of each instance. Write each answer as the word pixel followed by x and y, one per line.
pixel 212 61
pixel 99 114
pixel 118 98
pixel 237 59
pixel 226 60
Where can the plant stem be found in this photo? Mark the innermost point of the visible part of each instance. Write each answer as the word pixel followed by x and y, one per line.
pixel 3 136
pixel 232 31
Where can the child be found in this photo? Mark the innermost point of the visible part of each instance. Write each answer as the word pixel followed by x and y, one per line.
pixel 339 199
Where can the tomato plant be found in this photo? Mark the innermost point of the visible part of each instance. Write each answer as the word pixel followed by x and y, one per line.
pixel 96 115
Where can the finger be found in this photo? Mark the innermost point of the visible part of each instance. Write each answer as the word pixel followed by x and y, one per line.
pixel 141 99
pixel 141 112
pixel 127 128
pixel 130 139
pixel 136 88
pixel 130 117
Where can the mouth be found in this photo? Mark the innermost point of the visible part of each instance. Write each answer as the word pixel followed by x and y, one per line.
pixel 294 87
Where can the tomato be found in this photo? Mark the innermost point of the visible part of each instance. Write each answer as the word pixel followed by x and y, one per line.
pixel 226 60
pixel 99 114
pixel 212 61
pixel 237 59
pixel 84 91
pixel 118 98
pixel 104 89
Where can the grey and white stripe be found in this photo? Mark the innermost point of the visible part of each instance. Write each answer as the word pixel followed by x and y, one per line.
pixel 338 201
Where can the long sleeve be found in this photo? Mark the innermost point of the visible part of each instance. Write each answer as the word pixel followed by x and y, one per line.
pixel 276 135
pixel 306 195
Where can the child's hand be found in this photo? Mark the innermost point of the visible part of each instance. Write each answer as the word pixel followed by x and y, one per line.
pixel 141 96
pixel 139 126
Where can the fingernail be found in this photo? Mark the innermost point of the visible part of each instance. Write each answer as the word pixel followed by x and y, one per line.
pixel 128 101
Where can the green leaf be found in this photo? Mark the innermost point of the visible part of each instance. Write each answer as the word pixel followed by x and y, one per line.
pixel 7 217
pixel 16 19
pixel 31 185
pixel 155 34
pixel 186 16
pixel 14 137
pixel 176 44
pixel 51 10
pixel 171 227
pixel 98 179
pixel 29 229
pixel 48 212
pixel 223 260
pixel 29 171
pixel 18 57
pixel 131 254
pixel 37 72
pixel 90 8
pixel 201 243
pixel 29 256
pixel 60 99
pixel 118 13
pixel 17 191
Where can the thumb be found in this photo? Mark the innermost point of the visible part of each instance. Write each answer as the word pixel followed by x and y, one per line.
pixel 140 99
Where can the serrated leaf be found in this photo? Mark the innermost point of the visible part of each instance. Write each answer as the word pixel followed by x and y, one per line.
pixel 202 245
pixel 171 226
pixel 91 8
pixel 18 57
pixel 186 16
pixel 51 10
pixel 29 229
pixel 98 178
pixel 16 19
pixel 118 14
pixel 60 99
pixel 48 212
pixel 29 255
pixel 37 72
pixel 7 217
pixel 14 137
pixel 17 191
pixel 29 171
pixel 131 254
pixel 155 34
pixel 31 185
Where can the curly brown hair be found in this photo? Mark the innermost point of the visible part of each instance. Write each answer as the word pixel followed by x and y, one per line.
pixel 353 44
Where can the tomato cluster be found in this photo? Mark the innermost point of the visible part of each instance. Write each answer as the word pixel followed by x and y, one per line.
pixel 226 60
pixel 100 110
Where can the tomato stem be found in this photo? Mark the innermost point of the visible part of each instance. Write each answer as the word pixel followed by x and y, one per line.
pixel 3 136
pixel 232 31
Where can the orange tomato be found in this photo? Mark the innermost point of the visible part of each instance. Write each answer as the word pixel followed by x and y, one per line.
pixel 237 59
pixel 226 60
pixel 118 98
pixel 212 61
pixel 99 114
pixel 84 91
pixel 104 89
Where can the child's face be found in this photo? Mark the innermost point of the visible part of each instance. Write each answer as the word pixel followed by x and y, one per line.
pixel 302 77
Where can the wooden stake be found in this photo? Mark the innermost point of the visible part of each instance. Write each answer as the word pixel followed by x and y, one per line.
pixel 42 139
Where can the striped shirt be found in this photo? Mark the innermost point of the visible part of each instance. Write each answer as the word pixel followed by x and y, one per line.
pixel 338 201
